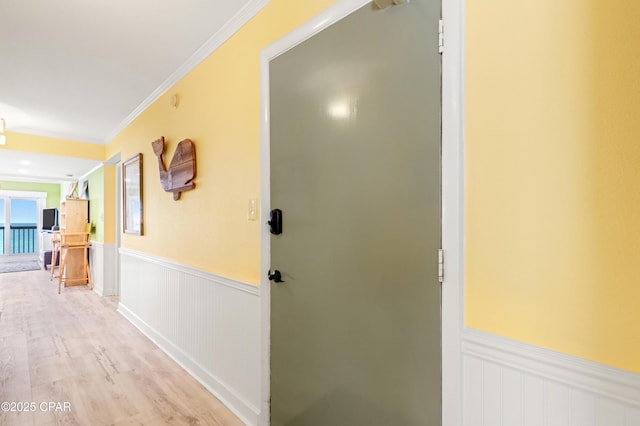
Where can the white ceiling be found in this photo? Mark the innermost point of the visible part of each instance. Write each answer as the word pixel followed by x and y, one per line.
pixel 81 70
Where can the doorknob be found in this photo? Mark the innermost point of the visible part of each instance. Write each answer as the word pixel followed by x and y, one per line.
pixel 276 276
pixel 275 222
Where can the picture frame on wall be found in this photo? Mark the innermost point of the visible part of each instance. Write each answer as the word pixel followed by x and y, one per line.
pixel 71 192
pixel 132 195
pixel 84 192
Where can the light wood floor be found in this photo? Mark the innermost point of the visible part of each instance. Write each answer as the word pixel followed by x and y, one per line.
pixel 75 348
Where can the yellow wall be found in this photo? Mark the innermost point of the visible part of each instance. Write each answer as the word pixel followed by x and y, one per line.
pixel 108 201
pixel 552 234
pixel 54 146
pixel 96 203
pixel 102 203
pixel 553 175
pixel 219 110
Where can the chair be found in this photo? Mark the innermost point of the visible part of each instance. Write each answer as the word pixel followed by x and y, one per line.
pixel 72 245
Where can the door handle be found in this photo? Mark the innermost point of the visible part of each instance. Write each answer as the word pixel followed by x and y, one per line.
pixel 275 222
pixel 276 276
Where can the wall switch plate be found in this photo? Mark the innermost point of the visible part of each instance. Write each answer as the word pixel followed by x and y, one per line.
pixel 252 209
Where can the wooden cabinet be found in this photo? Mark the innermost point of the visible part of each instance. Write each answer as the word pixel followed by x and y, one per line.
pixel 74 217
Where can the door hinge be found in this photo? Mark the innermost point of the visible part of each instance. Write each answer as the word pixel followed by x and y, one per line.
pixel 440 265
pixel 440 36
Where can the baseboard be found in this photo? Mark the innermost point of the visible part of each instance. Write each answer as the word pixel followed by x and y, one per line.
pixel 507 382
pixel 103 259
pixel 96 262
pixel 249 414
pixel 209 325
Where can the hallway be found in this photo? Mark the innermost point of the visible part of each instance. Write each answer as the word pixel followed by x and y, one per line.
pixel 77 351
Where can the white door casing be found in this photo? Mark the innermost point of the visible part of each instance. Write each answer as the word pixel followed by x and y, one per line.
pixel 452 194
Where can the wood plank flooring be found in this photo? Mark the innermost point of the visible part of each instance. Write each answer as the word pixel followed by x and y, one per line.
pixel 75 349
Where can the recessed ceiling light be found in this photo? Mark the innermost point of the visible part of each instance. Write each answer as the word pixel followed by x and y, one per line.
pixel 25 162
pixel 69 175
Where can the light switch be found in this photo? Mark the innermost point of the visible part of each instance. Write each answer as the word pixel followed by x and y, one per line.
pixel 252 209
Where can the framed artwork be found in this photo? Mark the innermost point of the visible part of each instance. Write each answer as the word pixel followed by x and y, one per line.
pixel 84 192
pixel 132 195
pixel 71 193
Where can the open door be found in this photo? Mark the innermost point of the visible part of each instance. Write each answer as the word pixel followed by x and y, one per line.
pixel 355 171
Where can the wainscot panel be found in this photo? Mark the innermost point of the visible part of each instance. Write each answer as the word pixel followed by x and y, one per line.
pixel 209 324
pixel 103 265
pixel 511 383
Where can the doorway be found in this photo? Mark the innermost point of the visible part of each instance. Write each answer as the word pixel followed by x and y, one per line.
pixel 20 223
pixel 355 170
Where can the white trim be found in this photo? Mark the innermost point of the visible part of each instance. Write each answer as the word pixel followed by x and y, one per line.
pixel 579 373
pixel 229 29
pixel 452 194
pixel 115 160
pixel 97 264
pixel 452 209
pixel 553 367
pixel 103 258
pixel 307 30
pixel 86 175
pixel 210 381
pixel 23 194
pixel 41 201
pixel 237 285
pixel 191 314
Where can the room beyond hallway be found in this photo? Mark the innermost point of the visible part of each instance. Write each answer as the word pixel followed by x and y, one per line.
pixel 73 359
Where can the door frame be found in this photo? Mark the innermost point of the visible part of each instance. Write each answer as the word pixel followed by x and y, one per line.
pixel 116 161
pixel 452 196
pixel 41 202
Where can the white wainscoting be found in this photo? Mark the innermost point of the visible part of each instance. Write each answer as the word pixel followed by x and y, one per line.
pixel 102 261
pixel 209 324
pixel 509 383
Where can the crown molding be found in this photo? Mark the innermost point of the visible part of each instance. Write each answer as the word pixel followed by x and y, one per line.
pixel 86 175
pixel 229 29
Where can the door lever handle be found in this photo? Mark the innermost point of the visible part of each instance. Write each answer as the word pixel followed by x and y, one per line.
pixel 276 276
pixel 275 222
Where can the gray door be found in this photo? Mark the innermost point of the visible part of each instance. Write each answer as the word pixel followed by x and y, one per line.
pixel 355 169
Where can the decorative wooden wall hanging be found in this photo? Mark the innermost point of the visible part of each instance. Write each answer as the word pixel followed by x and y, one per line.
pixel 181 170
